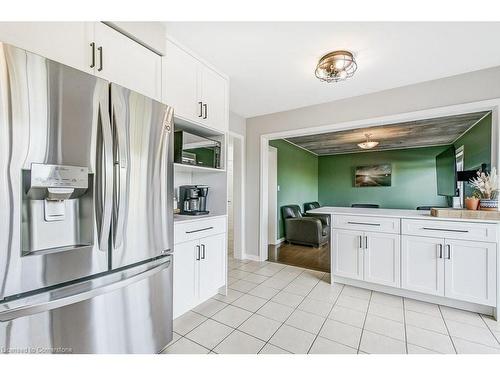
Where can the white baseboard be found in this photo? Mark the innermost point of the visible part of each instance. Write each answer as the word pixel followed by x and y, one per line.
pixel 280 241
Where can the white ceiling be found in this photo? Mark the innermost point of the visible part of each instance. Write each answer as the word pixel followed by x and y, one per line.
pixel 271 64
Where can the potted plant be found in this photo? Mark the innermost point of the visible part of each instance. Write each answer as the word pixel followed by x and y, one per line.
pixel 486 186
pixel 472 203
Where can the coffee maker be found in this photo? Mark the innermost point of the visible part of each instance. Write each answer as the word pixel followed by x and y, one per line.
pixel 193 199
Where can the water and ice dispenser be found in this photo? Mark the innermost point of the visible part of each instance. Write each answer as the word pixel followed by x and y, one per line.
pixel 57 208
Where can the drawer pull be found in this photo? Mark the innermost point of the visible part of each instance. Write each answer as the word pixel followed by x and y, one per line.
pixel 358 223
pixel 447 230
pixel 198 230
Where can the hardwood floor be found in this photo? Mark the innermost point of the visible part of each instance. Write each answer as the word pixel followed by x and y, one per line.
pixel 302 256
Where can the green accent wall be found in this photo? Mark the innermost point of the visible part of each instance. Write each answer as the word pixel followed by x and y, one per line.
pixel 477 147
pixel 413 179
pixel 297 177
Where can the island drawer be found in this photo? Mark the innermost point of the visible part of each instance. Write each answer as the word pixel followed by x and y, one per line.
pixel 451 229
pixel 367 223
pixel 193 230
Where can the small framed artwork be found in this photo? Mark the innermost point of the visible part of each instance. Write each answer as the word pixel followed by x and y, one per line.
pixel 373 175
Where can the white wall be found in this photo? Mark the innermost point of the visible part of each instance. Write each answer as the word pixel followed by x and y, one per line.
pixel 464 88
pixel 237 124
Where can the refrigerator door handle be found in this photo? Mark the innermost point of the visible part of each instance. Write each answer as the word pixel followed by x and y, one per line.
pixel 120 168
pixel 78 292
pixel 104 184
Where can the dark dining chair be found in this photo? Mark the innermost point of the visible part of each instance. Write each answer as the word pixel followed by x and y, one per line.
pixel 364 205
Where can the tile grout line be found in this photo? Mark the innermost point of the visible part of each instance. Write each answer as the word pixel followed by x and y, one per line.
pixel 404 324
pixel 364 322
pixel 333 305
pixel 494 336
pixel 447 329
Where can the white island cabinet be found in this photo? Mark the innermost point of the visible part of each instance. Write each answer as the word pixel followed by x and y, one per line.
pixel 453 262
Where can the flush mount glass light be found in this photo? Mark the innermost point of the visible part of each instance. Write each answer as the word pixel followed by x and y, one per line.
pixel 367 144
pixel 336 66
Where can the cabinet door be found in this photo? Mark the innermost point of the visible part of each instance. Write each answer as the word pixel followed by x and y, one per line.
pixel 181 83
pixel 470 271
pixel 185 277
pixel 422 262
pixel 382 259
pixel 64 42
pixel 127 63
pixel 347 254
pixel 212 265
pixel 214 98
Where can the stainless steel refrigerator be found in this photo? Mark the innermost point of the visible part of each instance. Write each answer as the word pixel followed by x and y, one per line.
pixel 86 227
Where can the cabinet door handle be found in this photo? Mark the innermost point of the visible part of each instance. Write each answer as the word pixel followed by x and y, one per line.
pixel 100 58
pixel 448 247
pixel 440 246
pixel 360 242
pixel 197 252
pixel 198 230
pixel 202 251
pixel 205 107
pixel 366 242
pixel 360 223
pixel 201 109
pixel 92 46
pixel 447 230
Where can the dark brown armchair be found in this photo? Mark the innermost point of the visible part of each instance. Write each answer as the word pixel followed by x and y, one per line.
pixel 305 230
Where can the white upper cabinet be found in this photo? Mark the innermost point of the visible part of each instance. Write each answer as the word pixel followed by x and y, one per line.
pixel 121 60
pixel 470 271
pixel 198 93
pixel 65 42
pixel 181 83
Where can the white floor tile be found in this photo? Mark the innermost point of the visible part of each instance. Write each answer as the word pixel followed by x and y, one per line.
pixel 288 299
pixel 276 283
pixel 275 311
pixel 429 340
pixel 387 299
pixel 491 322
pixel 348 316
pixel 209 334
pixel 325 346
pixel 352 303
pixel 232 295
pixel 353 291
pixel 249 302
pixel 264 292
pixel 315 306
pixel 430 322
pixel 467 347
pixel 298 288
pixel 260 327
pixel 252 267
pixel 186 322
pixel 374 343
pixel 387 327
pixel 462 316
pixel 239 343
pixel 422 307
pixel 325 292
pixel 243 286
pixel 306 321
pixel 232 316
pixel 292 339
pixel 272 349
pixel 254 278
pixel 238 274
pixel 414 349
pixel 209 307
pixel 387 312
pixel 185 346
pixel 341 333
pixel 472 333
pixel 268 270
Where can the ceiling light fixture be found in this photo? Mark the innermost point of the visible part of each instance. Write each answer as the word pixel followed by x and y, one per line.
pixel 336 66
pixel 367 144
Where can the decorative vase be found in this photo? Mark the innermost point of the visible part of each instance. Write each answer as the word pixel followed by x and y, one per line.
pixel 489 204
pixel 472 203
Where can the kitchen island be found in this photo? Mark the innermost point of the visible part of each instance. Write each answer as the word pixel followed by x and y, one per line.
pixel 410 253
